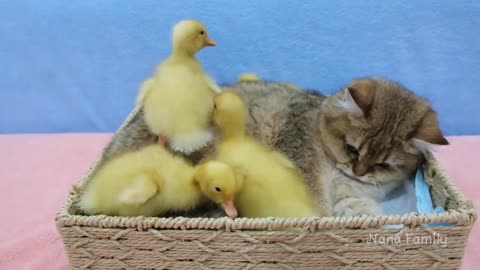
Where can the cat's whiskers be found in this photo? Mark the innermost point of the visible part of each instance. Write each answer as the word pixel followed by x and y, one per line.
pixel 333 173
pixel 380 188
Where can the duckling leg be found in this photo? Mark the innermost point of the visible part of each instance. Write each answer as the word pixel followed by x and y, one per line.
pixel 162 140
pixel 139 191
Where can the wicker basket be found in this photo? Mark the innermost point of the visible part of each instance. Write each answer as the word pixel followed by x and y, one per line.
pixel 104 242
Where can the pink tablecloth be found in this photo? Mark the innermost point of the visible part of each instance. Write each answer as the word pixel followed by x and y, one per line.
pixel 37 171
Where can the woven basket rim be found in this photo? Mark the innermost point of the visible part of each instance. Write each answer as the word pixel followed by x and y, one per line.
pixel 464 216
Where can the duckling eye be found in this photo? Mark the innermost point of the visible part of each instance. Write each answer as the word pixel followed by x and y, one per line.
pixel 202 32
pixel 218 189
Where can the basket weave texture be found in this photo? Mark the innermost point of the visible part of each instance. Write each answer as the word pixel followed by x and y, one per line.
pixel 105 242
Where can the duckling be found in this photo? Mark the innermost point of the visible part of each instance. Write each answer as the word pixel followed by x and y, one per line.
pixel 178 99
pixel 145 89
pixel 271 185
pixel 248 77
pixel 152 181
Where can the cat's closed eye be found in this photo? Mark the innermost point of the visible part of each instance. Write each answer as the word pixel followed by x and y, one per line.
pixel 352 150
pixel 383 165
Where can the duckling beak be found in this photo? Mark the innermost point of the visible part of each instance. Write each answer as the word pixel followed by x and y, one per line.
pixel 230 209
pixel 210 42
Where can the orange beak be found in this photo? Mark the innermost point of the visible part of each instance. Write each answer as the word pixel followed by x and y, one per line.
pixel 230 209
pixel 210 42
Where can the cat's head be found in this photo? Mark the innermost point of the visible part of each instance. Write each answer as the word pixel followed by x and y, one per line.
pixel 377 131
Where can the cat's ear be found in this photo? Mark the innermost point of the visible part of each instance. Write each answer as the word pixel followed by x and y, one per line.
pixel 428 132
pixel 358 97
pixel 363 93
pixel 346 102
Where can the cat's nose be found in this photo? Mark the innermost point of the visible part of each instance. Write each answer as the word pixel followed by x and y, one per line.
pixel 360 169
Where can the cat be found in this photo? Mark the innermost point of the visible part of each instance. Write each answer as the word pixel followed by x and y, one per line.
pixel 376 132
pixel 133 136
pixel 352 147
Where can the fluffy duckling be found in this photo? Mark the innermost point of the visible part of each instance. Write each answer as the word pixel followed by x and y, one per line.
pixel 178 99
pixel 248 77
pixel 151 181
pixel 268 184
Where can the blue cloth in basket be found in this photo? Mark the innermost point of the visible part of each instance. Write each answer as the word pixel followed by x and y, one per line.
pixel 412 196
pixel 424 198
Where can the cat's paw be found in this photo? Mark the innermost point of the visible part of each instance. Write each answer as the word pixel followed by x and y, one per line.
pixel 349 207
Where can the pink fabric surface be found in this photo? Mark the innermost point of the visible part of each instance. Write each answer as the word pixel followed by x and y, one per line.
pixel 38 170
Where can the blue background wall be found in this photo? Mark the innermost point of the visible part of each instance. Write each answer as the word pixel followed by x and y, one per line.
pixel 76 65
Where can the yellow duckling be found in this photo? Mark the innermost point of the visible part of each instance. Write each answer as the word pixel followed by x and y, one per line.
pixel 248 77
pixel 178 99
pixel 151 181
pixel 269 184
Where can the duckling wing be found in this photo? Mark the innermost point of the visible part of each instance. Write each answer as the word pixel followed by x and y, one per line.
pixel 145 89
pixel 212 84
pixel 139 191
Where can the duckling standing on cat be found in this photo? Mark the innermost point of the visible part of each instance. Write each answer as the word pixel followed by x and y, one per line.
pixel 272 185
pixel 151 181
pixel 178 99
